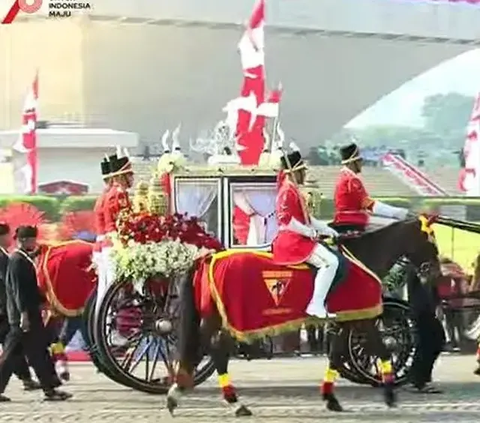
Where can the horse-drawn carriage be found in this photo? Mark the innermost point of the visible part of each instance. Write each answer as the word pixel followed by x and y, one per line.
pixel 135 328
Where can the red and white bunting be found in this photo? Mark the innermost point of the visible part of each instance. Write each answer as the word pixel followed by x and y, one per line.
pixel 469 179
pixel 27 141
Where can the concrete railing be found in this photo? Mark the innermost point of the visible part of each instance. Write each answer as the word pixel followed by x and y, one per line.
pixel 418 18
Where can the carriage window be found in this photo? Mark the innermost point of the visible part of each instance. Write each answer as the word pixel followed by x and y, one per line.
pixel 252 209
pixel 200 199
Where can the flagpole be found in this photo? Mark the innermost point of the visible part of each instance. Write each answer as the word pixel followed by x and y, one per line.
pixel 276 120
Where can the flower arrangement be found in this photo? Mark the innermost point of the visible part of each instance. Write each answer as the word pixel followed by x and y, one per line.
pixel 156 247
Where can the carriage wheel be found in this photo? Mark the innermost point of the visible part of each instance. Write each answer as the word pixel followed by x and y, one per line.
pixel 88 336
pixel 398 334
pixel 347 370
pixel 135 334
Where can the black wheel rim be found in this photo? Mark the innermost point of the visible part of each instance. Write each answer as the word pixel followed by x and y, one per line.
pixel 137 350
pixel 398 333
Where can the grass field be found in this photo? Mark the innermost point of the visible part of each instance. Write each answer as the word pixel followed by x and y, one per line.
pixel 458 245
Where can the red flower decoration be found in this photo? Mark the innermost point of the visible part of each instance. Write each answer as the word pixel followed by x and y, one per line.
pixel 143 228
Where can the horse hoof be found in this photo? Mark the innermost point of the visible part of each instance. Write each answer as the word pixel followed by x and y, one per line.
pixel 172 404
pixel 390 396
pixel 243 411
pixel 477 371
pixel 332 403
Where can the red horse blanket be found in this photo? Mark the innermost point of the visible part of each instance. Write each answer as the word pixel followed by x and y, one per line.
pixel 255 296
pixel 65 275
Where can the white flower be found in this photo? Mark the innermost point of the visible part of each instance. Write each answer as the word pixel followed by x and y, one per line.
pixel 138 262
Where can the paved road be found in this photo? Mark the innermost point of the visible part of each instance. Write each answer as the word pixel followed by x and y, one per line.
pixel 279 391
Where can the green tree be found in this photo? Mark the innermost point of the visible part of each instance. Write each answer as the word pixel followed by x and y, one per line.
pixel 446 116
pixel 397 136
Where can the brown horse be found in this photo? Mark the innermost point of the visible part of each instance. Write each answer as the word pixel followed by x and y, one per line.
pixel 377 250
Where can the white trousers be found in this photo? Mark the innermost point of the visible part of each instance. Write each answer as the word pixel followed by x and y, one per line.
pixel 327 264
pixel 106 275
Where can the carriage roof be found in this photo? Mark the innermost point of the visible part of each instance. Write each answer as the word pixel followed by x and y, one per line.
pixel 232 171
pixel 223 170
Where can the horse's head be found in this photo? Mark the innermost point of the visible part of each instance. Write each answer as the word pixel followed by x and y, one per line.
pixel 421 247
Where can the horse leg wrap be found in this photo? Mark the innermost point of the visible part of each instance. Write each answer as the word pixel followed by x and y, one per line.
pixel 386 370
pixel 478 353
pixel 184 379
pixel 329 380
pixel 228 390
pixel 230 396
pixel 388 383
pixel 60 359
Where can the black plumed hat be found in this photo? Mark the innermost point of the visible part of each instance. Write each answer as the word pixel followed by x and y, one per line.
pixel 350 153
pixel 292 161
pixel 105 167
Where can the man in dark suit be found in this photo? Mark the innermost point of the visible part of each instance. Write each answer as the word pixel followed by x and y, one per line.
pixel 424 300
pixel 24 303
pixel 21 370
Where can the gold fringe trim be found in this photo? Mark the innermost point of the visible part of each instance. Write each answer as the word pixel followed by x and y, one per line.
pixel 249 336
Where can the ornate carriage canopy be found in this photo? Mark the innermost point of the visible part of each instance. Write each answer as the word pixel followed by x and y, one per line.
pixel 236 204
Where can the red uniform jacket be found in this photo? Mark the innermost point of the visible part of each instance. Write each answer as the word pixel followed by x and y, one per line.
pixel 352 202
pixel 116 200
pixel 99 216
pixel 289 247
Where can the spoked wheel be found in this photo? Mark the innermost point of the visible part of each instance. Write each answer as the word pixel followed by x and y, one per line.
pixel 88 329
pixel 347 370
pixel 136 335
pixel 398 333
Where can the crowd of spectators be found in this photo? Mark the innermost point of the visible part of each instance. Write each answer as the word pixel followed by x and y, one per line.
pixel 372 156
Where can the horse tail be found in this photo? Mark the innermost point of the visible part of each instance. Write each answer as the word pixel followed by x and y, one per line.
pixel 189 334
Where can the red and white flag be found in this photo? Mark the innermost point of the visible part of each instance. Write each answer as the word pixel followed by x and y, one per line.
pixel 252 44
pixel 250 124
pixel 27 141
pixel 271 107
pixel 469 179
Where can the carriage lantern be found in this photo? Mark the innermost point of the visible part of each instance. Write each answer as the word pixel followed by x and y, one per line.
pixel 157 198
pixel 140 201
pixel 313 197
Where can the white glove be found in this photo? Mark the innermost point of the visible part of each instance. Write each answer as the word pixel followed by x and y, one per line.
pixel 330 232
pixel 385 210
pixel 322 228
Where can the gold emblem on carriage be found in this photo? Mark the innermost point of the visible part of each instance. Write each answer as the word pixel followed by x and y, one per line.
pixel 277 283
